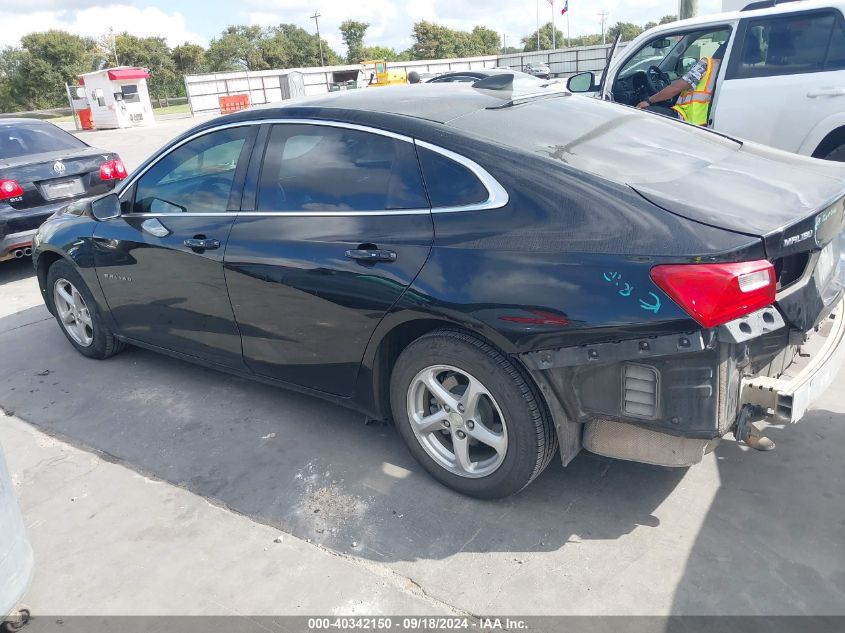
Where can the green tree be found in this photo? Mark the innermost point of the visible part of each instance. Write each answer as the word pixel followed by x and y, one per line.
pixel 530 41
pixel 353 34
pixel 628 30
pixel 291 46
pixel 666 19
pixel 153 54
pixel 33 76
pixel 385 53
pixel 242 47
pixel 189 59
pixel 485 41
pixel 433 41
pixel 237 48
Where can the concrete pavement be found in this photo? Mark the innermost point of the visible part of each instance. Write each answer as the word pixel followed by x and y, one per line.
pixel 109 541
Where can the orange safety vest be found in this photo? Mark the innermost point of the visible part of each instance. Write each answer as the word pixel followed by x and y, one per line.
pixel 694 104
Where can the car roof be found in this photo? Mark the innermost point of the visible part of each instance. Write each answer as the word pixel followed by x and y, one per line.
pixel 433 102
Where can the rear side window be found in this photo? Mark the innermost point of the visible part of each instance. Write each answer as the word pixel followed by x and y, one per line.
pixel 450 184
pixel 789 45
pixel 322 168
pixel 24 139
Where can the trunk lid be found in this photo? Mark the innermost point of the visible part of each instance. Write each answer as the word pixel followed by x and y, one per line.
pixel 55 176
pixel 795 205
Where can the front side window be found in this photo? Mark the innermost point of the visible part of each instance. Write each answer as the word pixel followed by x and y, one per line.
pixel 788 45
pixel 652 54
pixel 320 168
pixel 676 54
pixel 196 177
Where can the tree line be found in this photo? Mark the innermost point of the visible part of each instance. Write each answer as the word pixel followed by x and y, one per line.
pixel 33 75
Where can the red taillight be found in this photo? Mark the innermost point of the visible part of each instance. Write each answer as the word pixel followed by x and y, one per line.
pixel 113 170
pixel 714 294
pixel 10 189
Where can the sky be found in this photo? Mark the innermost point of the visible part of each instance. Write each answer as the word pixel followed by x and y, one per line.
pixel 198 21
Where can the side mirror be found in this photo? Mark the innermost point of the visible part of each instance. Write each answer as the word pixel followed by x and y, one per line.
pixel 106 208
pixel 685 63
pixel 582 82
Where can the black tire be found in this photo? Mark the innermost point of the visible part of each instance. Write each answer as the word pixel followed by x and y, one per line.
pixel 531 438
pixel 838 154
pixel 104 343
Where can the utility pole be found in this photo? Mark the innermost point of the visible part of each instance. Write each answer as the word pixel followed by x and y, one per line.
pixel 603 17
pixel 316 18
pixel 687 9
pixel 114 46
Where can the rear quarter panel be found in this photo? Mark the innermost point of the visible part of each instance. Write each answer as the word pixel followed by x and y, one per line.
pixel 565 262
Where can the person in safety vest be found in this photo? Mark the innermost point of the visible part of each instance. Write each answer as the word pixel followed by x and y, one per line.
pixel 694 91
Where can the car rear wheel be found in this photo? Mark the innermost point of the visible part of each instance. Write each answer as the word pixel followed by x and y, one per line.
pixel 838 154
pixel 76 311
pixel 470 416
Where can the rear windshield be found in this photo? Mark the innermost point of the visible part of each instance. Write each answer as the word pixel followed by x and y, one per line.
pixel 612 141
pixel 24 139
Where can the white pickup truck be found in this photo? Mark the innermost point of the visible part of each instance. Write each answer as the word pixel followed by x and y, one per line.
pixel 781 82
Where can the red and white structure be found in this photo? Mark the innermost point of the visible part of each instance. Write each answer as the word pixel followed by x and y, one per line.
pixel 118 97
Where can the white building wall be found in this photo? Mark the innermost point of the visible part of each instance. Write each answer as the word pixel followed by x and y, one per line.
pixel 264 86
pixel 113 113
pixel 104 116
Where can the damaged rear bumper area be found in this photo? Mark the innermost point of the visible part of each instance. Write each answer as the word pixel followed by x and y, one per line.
pixel 667 400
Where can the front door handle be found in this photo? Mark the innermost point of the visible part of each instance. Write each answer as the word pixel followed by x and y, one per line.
pixel 826 92
pixel 365 255
pixel 202 243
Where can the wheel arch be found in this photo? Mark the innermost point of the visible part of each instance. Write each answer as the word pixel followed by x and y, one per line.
pixel 391 338
pixel 834 139
pixel 42 267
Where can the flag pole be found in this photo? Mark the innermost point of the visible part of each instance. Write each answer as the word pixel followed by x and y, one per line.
pixel 554 26
pixel 568 32
pixel 538 25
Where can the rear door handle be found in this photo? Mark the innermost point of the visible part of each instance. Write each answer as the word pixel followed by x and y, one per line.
pixel 203 243
pixel 826 92
pixel 371 255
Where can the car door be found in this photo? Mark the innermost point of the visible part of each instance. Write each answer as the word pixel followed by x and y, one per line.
pixel 337 228
pixel 789 71
pixel 160 264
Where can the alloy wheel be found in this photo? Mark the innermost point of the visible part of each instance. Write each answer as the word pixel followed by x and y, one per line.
pixel 457 421
pixel 73 312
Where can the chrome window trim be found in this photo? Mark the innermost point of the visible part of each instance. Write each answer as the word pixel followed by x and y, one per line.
pixel 285 214
pixel 498 196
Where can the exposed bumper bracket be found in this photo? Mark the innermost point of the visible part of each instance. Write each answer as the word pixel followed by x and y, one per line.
pixel 616 351
pixel 789 397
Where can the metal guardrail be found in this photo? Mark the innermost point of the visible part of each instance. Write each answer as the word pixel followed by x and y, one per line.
pixel 565 61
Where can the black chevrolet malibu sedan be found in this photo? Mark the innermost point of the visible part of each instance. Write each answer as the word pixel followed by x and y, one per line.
pixel 509 277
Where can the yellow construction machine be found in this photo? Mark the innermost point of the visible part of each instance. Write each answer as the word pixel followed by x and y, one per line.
pixel 377 74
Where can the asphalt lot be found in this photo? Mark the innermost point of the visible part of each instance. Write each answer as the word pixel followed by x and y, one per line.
pixel 742 533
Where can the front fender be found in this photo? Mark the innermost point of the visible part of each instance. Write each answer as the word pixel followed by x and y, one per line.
pixel 69 237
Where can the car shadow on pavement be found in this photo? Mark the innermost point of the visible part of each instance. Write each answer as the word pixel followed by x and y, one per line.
pixel 773 539
pixel 308 467
pixel 15 270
